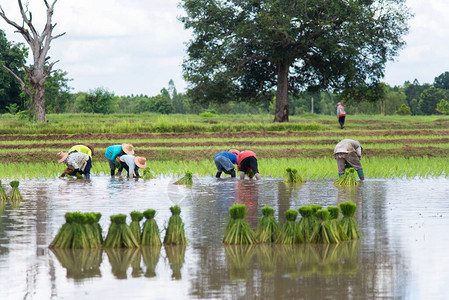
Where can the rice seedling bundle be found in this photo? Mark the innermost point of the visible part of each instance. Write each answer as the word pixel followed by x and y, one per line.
pixel 63 238
pixel 307 227
pixel 292 176
pixel 3 196
pixel 79 239
pixel 91 230
pixel 119 234
pixel 238 230
pixel 150 231
pixel 15 193
pixel 99 230
pixel 326 234
pixel 187 179
pixel 174 234
pixel 334 213
pixel 349 222
pixel 136 217
pixel 289 230
pixel 347 179
pixel 268 228
pixel 148 174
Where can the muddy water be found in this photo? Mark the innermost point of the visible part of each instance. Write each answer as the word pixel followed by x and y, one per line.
pixel 402 255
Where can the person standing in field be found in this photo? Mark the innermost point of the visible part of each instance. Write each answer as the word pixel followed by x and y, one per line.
pixel 341 115
pixel 77 162
pixel 247 162
pixel 225 161
pixel 349 152
pixel 132 164
pixel 114 151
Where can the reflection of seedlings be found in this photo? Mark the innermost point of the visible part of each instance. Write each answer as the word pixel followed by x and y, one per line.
pixel 267 228
pixel 267 258
pixel 80 263
pixel 175 255
pixel 349 222
pixel 15 193
pixel 347 179
pixel 349 257
pixel 239 258
pixel 187 179
pixel 3 196
pixel 238 230
pixel 329 260
pixel 309 259
pixel 336 225
pixel 150 231
pixel 120 260
pixel 289 230
pixel 290 257
pixel 292 176
pixel 135 264
pixel 136 217
pixel 119 234
pixel 174 234
pixel 150 256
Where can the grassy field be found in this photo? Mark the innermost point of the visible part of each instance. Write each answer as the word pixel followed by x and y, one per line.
pixel 394 146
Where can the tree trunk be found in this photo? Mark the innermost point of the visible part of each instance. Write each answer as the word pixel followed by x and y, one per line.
pixel 39 102
pixel 281 113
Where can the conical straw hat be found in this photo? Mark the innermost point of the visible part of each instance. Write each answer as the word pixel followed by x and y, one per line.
pixel 128 149
pixel 61 156
pixel 140 161
pixel 235 151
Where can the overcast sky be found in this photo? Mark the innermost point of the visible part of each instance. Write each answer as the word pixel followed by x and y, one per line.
pixel 137 46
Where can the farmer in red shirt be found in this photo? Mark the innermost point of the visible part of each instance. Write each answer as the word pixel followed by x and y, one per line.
pixel 341 115
pixel 247 162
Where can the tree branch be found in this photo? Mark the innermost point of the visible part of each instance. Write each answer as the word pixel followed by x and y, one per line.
pixel 22 84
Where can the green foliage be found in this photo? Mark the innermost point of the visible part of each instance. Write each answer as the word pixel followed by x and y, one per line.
pixel 430 98
pixel 57 92
pixel 404 110
pixel 98 100
pixel 443 107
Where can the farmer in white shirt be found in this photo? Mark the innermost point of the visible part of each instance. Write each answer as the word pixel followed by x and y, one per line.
pixel 349 152
pixel 78 162
pixel 132 164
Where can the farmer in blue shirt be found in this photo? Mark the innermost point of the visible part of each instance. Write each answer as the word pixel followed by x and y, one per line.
pixel 112 152
pixel 225 161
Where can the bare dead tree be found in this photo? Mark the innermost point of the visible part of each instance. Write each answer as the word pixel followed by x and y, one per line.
pixel 39 44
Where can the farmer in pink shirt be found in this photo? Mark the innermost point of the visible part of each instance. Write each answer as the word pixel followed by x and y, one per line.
pixel 247 162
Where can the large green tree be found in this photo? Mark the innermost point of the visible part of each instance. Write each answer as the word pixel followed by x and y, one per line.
pixel 242 49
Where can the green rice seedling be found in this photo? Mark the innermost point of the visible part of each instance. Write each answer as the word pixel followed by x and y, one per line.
pixel 349 222
pixel 79 240
pixel 3 196
pixel 307 226
pixel 187 179
pixel 238 230
pixel 323 234
pixel 15 193
pixel 136 217
pixel 91 230
pixel 267 257
pixel 63 238
pixel 174 233
pixel 119 234
pixel 150 255
pixel 289 230
pixel 80 263
pixel 238 258
pixel 175 255
pixel 148 174
pixel 268 228
pixel 292 176
pixel 150 231
pixel 334 213
pixel 99 230
pixel 120 260
pixel 347 179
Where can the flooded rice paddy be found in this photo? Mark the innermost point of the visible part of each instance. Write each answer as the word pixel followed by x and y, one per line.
pixel 403 254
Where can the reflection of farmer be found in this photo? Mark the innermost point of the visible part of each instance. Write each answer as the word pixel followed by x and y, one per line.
pixel 132 164
pixel 117 150
pixel 349 152
pixel 247 162
pixel 341 115
pixel 224 161
pixel 77 162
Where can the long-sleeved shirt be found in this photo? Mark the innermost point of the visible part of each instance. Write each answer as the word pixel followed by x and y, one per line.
pixel 82 149
pixel 340 111
pixel 244 155
pixel 129 161
pixel 231 156
pixel 348 146
pixel 112 152
pixel 77 160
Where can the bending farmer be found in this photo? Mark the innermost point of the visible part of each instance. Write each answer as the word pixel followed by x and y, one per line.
pixel 112 152
pixel 87 149
pixel 77 162
pixel 224 161
pixel 247 162
pixel 349 152
pixel 132 164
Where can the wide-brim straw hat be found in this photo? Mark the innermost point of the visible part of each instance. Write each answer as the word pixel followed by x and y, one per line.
pixel 140 161
pixel 235 151
pixel 61 156
pixel 128 149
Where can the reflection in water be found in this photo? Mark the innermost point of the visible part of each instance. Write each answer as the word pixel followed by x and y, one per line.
pixel 121 259
pixel 267 257
pixel 238 258
pixel 150 259
pixel 248 194
pixel 175 255
pixel 80 263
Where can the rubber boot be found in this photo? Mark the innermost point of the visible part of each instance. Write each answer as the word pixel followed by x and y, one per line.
pixel 218 175
pixel 361 175
pixel 232 173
